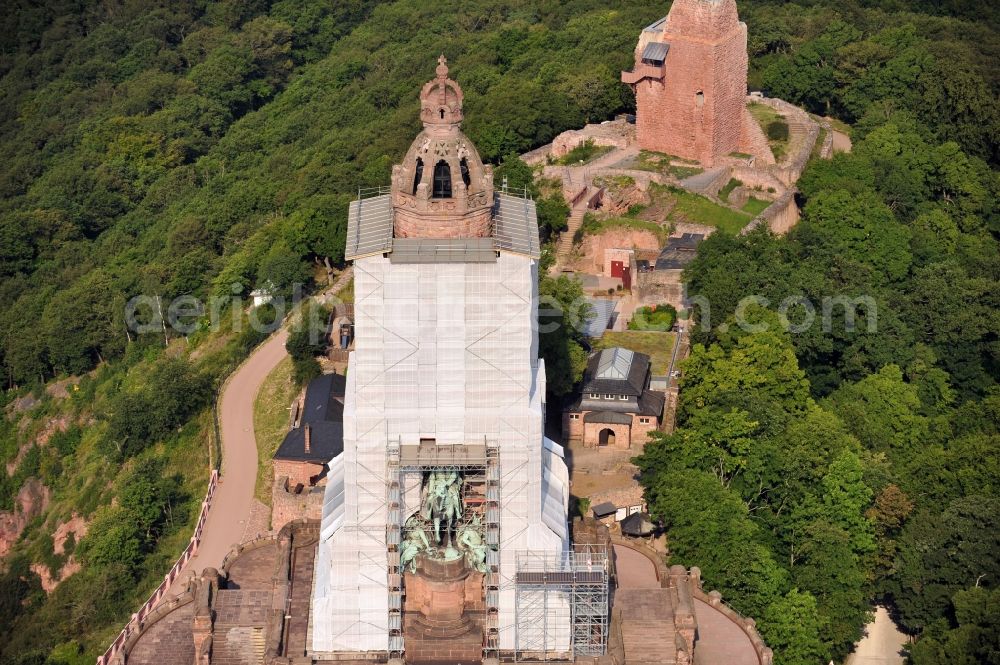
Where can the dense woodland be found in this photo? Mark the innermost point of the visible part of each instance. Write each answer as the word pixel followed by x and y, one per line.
pixel 174 148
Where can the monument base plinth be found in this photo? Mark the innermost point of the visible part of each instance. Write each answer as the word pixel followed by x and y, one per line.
pixel 442 623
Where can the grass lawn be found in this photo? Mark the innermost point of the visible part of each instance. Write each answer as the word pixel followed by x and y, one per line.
pixel 659 346
pixel 697 209
pixel 584 152
pixel 765 116
pixel 755 206
pixel 684 206
pixel 593 225
pixel 728 189
pixel 270 422
pixel 659 162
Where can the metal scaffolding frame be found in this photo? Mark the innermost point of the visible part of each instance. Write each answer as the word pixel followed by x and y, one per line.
pixel 393 538
pixel 491 645
pixel 482 458
pixel 550 587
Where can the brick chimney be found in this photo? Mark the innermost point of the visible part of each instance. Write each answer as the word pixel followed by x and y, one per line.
pixel 308 432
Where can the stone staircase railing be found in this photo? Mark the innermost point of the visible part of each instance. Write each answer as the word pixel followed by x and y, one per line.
pixel 169 578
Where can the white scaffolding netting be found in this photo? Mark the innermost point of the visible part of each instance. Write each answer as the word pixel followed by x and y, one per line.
pixel 445 353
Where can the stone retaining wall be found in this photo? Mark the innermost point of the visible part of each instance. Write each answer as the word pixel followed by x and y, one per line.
pixel 780 216
pixel 746 624
pixel 288 505
pixel 537 156
pixel 790 168
pixel 717 183
pixel 753 177
pixel 826 150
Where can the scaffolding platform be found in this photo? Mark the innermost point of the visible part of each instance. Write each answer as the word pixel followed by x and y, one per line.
pixel 549 589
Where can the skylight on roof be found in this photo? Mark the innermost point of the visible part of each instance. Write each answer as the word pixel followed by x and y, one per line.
pixel 614 363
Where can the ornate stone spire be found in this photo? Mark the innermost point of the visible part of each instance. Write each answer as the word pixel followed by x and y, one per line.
pixel 441 102
pixel 442 189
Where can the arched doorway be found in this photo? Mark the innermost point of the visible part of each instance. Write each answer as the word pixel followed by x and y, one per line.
pixel 606 437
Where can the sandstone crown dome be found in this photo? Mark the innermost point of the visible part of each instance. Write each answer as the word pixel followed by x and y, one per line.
pixel 442 189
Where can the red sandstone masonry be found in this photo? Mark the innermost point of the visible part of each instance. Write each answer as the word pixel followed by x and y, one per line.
pixel 696 110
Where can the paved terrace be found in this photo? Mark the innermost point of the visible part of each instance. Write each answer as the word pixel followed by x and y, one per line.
pixel 720 639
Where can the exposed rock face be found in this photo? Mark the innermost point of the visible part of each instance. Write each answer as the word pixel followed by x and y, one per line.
pixel 49 583
pixel 76 526
pixel 31 500
pixel 617 200
pixel 41 439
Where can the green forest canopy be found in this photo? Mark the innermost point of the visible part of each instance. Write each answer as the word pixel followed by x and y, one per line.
pixel 173 148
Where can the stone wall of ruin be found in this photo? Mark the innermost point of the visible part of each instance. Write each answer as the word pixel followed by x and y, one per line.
pixel 800 125
pixel 661 286
pixel 695 110
pixel 753 141
pixel 287 505
pixel 780 216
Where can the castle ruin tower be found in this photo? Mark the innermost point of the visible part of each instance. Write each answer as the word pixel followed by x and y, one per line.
pixel 446 478
pixel 690 83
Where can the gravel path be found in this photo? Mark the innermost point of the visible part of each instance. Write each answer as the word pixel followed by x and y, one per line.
pixel 230 511
pixel 882 643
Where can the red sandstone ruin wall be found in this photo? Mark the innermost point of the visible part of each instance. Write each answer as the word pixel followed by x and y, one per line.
pixel 730 90
pixel 703 19
pixel 708 55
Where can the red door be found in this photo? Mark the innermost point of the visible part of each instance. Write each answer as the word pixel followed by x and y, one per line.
pixel 616 268
pixel 627 278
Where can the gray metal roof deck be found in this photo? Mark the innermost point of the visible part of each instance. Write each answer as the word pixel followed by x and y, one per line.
pixel 515 225
pixel 370 222
pixel 679 252
pixel 369 226
pixel 603 309
pixel 655 52
pixel 427 455
pixel 656 26
pixel 443 250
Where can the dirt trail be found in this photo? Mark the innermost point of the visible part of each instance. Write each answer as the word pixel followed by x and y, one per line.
pixel 841 142
pixel 882 643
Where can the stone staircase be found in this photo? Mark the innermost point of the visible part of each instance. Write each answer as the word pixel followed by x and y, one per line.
pixel 565 243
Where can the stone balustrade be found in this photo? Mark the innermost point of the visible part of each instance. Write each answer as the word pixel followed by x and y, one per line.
pixel 145 612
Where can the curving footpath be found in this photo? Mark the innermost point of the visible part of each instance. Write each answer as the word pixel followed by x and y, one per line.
pixel 231 504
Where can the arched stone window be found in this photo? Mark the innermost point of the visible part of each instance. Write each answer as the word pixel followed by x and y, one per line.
pixel 464 166
pixel 418 175
pixel 699 99
pixel 442 114
pixel 442 181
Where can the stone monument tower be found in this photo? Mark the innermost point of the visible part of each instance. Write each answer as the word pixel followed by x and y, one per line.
pixel 446 479
pixel 690 82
